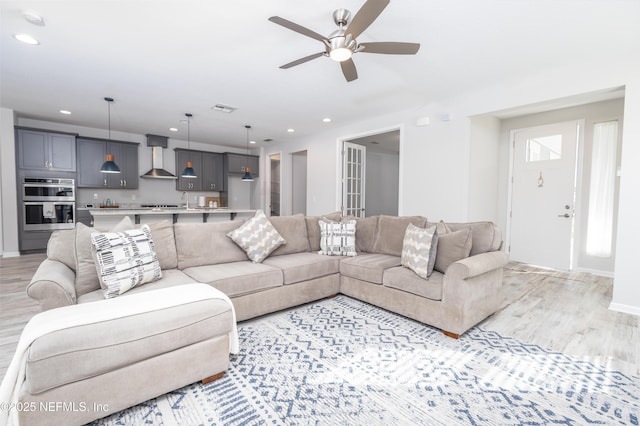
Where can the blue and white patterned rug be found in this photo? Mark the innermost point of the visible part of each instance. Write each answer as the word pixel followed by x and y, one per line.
pixel 344 362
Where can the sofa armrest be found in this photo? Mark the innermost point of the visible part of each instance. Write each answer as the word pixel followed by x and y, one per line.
pixel 471 291
pixel 477 265
pixel 53 285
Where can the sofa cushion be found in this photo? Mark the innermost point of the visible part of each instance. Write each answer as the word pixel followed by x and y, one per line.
pixel 419 250
pixel 164 241
pixel 337 238
pixel 237 278
pixel 60 247
pixel 406 280
pixel 298 267
pixel 294 231
pixel 206 244
pixel 124 260
pixel 170 278
pixel 366 228
pixel 452 246
pixel 368 267
pixel 313 228
pixel 257 237
pixel 485 236
pixel 76 353
pixel 390 233
pixel 86 274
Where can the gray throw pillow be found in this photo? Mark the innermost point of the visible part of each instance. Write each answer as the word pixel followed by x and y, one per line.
pixel 452 247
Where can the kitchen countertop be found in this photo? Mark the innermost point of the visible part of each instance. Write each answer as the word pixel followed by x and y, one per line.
pixel 175 211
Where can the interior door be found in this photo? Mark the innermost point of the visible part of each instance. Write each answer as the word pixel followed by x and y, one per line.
pixel 353 179
pixel 543 195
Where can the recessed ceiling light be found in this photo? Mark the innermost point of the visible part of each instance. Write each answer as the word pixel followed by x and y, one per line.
pixel 173 129
pixel 25 38
pixel 291 130
pixel 326 120
pixel 252 142
pixel 65 112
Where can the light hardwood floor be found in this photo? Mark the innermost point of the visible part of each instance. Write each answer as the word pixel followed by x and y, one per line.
pixel 564 312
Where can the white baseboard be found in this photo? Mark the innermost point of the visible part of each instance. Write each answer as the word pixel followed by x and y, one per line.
pixel 597 272
pixel 625 309
pixel 11 254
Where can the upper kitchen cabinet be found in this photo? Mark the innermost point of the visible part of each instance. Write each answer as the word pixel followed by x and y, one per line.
pixel 209 168
pixel 195 157
pixel 46 151
pixel 235 164
pixel 212 171
pixel 91 154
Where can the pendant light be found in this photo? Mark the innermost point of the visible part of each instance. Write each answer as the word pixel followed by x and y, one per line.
pixel 188 171
pixel 246 177
pixel 109 166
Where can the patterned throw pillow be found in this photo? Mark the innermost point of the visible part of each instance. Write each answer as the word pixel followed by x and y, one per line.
pixel 337 238
pixel 124 260
pixel 257 237
pixel 419 250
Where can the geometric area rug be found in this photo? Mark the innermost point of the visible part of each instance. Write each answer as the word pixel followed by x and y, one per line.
pixel 344 362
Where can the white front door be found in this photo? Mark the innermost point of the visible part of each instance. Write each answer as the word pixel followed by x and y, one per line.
pixel 543 194
pixel 353 179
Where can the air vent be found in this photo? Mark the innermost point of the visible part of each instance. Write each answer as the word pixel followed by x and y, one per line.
pixel 223 108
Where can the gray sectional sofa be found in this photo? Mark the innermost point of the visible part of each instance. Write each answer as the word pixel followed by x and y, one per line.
pixel 115 360
pixel 460 293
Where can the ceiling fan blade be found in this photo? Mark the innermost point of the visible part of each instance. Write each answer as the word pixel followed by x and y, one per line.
pixel 298 28
pixel 365 17
pixel 349 70
pixel 302 60
pixel 390 48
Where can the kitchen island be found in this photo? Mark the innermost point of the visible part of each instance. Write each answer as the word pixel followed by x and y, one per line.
pixel 105 217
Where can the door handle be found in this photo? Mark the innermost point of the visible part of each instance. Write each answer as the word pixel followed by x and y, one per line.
pixel 567 215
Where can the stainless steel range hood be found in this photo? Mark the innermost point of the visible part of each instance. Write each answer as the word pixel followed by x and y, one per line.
pixel 157 144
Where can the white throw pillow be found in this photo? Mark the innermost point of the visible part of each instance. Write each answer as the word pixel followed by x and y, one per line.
pixel 257 237
pixel 124 260
pixel 419 250
pixel 337 238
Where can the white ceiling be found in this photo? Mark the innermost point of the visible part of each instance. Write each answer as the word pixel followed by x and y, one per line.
pixel 160 59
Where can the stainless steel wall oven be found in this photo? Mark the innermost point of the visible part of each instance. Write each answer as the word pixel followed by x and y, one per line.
pixel 48 203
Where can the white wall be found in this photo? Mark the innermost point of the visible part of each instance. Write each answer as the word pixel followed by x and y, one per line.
pixel 8 196
pixel 484 168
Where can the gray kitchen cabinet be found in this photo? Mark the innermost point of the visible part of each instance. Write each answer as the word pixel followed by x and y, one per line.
pixel 91 154
pixel 188 184
pixel 212 171
pixel 126 157
pixel 209 168
pixel 43 150
pixel 235 164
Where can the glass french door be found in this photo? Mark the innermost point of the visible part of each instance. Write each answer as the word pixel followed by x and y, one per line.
pixel 353 179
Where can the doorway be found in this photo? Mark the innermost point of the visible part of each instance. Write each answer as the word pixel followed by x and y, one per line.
pixel 274 200
pixel 543 194
pixel 299 182
pixel 376 191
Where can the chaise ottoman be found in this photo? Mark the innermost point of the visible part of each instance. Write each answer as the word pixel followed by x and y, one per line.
pixel 82 362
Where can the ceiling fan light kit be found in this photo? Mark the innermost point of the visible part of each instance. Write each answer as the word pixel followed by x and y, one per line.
pixel 341 44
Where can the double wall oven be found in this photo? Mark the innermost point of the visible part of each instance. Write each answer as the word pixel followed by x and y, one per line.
pixel 48 203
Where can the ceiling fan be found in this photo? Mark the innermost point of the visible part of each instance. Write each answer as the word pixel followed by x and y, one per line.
pixel 341 44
